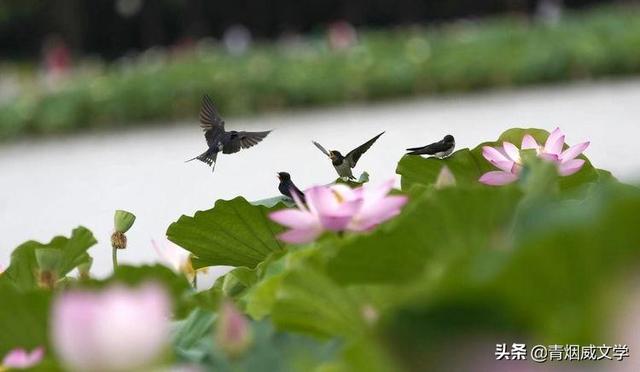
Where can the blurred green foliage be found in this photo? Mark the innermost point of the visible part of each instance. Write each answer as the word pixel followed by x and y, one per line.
pixel 461 56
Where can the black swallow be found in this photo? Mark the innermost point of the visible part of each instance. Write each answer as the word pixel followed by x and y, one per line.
pixel 287 187
pixel 343 164
pixel 220 140
pixel 440 149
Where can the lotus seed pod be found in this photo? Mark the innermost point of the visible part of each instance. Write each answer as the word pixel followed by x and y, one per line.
pixel 123 221
pixel 118 240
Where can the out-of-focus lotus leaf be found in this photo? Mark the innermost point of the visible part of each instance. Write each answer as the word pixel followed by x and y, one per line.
pixel 270 350
pixel 561 280
pixel 73 251
pixel 308 301
pixel 436 225
pixel 24 318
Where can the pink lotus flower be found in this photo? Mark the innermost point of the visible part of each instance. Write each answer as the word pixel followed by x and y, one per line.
pixel 553 151
pixel 507 158
pixel 338 208
pixel 20 358
pixel 117 329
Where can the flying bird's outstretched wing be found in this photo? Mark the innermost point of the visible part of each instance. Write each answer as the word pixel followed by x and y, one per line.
pixel 211 122
pixel 243 140
pixel 354 155
pixel 319 146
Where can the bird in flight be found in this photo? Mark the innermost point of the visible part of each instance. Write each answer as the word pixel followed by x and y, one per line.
pixel 440 149
pixel 288 188
pixel 344 164
pixel 219 140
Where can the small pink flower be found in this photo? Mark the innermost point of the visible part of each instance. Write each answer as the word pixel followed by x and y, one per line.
pixel 507 157
pixel 116 329
pixel 338 208
pixel 20 358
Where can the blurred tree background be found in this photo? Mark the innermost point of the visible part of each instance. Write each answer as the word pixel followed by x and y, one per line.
pixel 110 28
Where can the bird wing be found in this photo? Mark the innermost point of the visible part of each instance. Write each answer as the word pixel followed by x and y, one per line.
pixel 354 155
pixel 210 121
pixel 319 146
pixel 432 148
pixel 243 140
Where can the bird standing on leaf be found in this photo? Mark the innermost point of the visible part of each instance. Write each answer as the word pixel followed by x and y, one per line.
pixel 220 140
pixel 288 188
pixel 440 149
pixel 344 164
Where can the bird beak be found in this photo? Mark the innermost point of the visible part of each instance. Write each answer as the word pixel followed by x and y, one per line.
pixel 278 175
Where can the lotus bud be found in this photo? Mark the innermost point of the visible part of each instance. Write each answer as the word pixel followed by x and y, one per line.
pixel 48 260
pixel 370 314
pixel 364 177
pixel 233 331
pixel 85 268
pixel 445 178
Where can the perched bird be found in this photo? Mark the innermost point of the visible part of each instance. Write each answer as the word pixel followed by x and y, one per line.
pixel 440 149
pixel 343 164
pixel 287 187
pixel 220 140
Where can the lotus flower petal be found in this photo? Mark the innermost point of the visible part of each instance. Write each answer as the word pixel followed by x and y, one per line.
pixel 570 167
pixel 294 218
pixel 512 151
pixel 493 155
pixel 555 142
pixel 529 143
pixel 385 209
pixel 21 359
pixel 301 236
pixel 506 166
pixel 498 178
pixel 573 151
pixel 549 157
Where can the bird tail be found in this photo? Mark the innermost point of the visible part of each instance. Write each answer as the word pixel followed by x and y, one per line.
pixel 415 151
pixel 207 158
